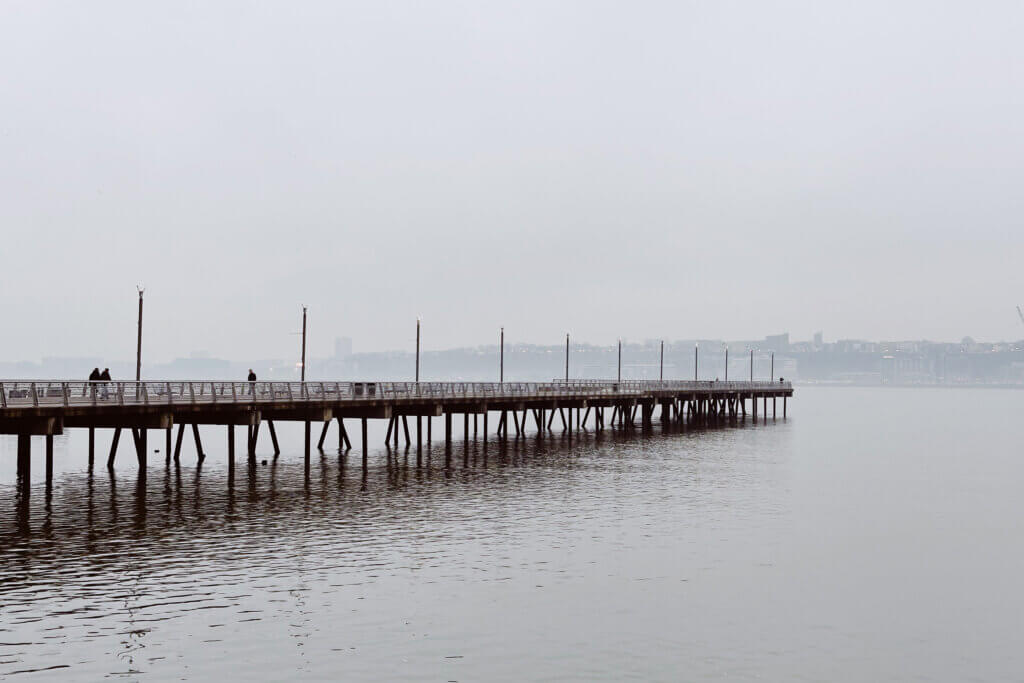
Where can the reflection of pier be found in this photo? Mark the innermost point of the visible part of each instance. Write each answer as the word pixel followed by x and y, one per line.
pixel 49 407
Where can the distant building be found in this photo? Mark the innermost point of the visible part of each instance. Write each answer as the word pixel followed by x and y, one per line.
pixel 342 347
pixel 776 342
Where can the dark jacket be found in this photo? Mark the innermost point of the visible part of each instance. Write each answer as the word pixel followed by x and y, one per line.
pixel 252 376
pixel 105 375
pixel 94 375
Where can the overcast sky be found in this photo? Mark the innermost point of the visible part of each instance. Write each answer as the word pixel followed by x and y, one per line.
pixel 643 169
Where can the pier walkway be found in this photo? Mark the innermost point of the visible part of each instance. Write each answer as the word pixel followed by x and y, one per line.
pixel 48 407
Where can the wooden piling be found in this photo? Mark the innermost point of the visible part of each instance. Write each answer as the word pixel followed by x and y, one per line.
pixel 273 437
pixel 49 460
pixel 24 461
pixel 113 448
pixel 199 443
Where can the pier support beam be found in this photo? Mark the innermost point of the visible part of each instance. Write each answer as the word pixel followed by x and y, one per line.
pixel 343 436
pixel 113 448
pixel 254 436
pixel 49 460
pixel 366 446
pixel 24 461
pixel 177 442
pixel 273 438
pixel 306 427
pixel 92 445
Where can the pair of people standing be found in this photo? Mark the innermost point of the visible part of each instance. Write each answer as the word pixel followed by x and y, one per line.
pixel 97 376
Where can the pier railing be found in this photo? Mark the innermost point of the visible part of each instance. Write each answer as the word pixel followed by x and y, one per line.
pixel 36 393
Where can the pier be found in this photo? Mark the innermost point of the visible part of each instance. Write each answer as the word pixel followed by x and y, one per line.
pixel 49 407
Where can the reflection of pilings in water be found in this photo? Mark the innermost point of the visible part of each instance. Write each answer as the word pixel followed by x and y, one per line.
pixel 677 414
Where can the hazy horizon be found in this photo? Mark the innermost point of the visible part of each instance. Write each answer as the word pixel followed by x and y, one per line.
pixel 649 170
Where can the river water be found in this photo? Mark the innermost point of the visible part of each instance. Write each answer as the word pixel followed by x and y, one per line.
pixel 874 535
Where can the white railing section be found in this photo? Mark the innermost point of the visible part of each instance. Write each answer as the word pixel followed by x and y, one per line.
pixel 36 393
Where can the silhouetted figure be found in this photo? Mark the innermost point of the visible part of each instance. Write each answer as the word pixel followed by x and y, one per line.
pixel 252 382
pixel 94 376
pixel 105 377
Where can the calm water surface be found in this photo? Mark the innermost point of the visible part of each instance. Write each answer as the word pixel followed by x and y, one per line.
pixel 875 535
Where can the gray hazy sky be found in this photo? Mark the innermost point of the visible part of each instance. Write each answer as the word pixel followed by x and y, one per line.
pixel 644 169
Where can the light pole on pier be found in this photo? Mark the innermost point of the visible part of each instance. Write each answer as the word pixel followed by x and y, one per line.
pixel 303 375
pixel 661 363
pixel 696 346
pixel 620 359
pixel 726 362
pixel 501 356
pixel 751 365
pixel 773 367
pixel 138 350
pixel 566 356
pixel 417 349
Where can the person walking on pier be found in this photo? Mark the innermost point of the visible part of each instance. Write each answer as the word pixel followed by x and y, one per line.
pixel 94 376
pixel 252 382
pixel 105 377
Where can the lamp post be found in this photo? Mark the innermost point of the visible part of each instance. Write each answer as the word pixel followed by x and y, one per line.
pixel 138 349
pixel 417 349
pixel 751 365
pixel 661 363
pixel 727 363
pixel 773 366
pixel 302 377
pixel 695 359
pixel 566 356
pixel 501 357
pixel 620 360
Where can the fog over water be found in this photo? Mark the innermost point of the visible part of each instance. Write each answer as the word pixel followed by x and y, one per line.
pixel 871 536
pixel 656 170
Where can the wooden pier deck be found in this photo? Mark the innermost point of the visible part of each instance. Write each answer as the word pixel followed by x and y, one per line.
pixel 49 408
